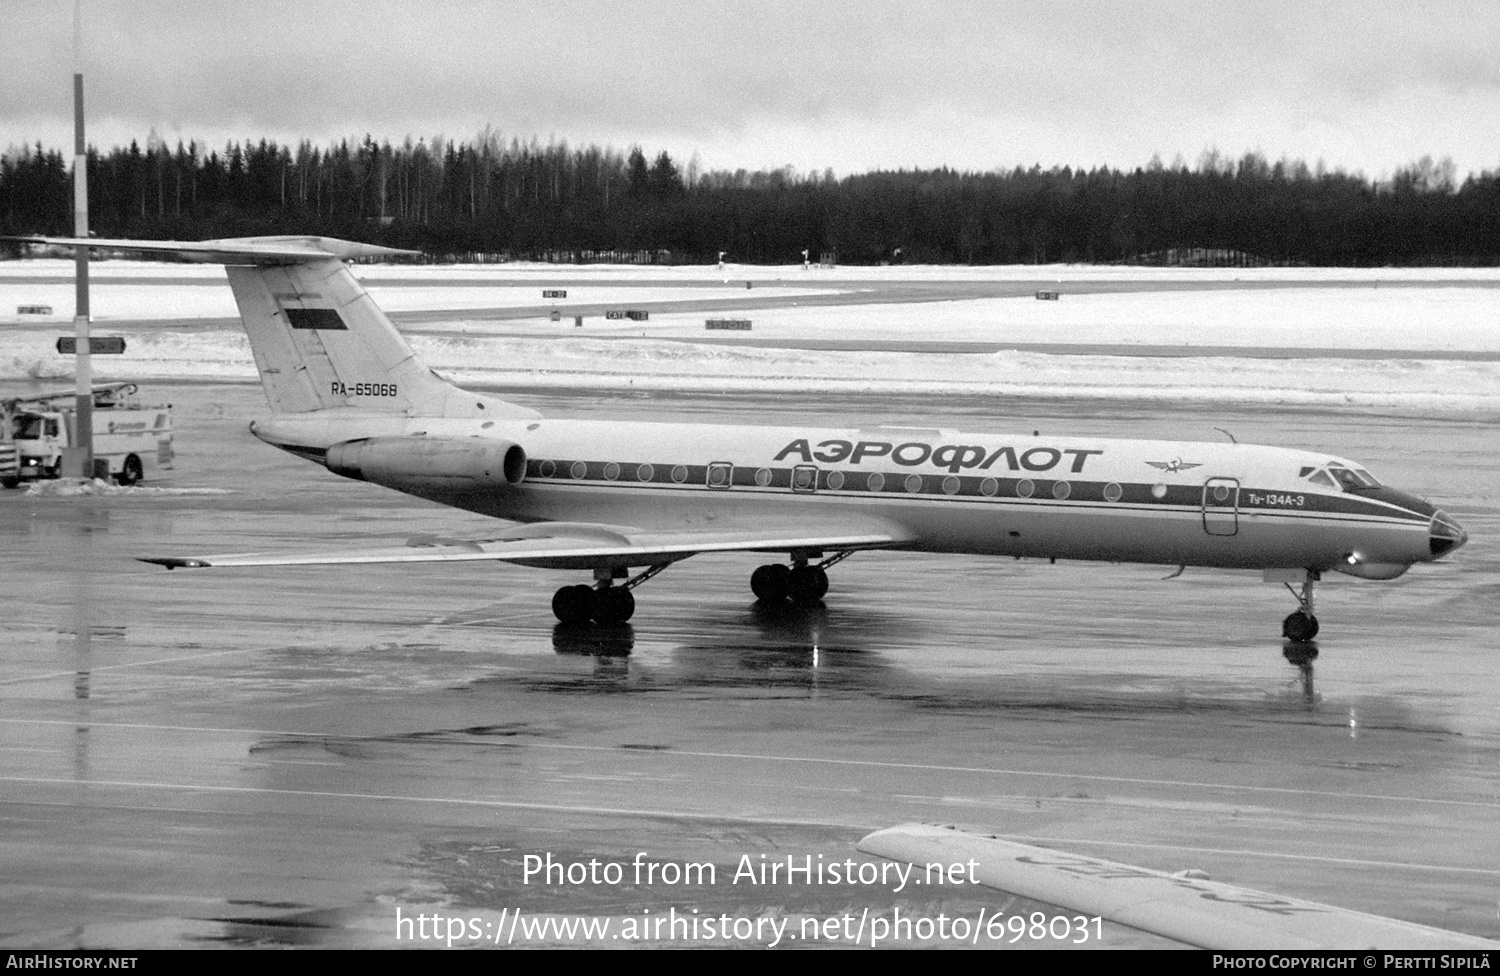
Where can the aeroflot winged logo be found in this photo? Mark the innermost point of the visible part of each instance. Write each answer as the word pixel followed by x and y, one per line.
pixel 953 457
pixel 1174 465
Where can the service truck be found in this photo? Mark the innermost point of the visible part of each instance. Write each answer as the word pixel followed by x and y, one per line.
pixel 129 439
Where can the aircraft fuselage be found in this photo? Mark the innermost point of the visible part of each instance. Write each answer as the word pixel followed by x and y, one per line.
pixel 1168 502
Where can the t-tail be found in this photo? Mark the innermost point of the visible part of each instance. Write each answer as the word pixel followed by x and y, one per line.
pixel 319 340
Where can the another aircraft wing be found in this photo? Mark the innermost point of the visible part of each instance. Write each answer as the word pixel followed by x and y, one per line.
pixel 240 250
pixel 1192 910
pixel 578 545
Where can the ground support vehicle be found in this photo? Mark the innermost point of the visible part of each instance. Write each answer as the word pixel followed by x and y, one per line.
pixel 129 439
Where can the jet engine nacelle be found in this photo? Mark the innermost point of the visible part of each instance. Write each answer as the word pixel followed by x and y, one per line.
pixel 399 462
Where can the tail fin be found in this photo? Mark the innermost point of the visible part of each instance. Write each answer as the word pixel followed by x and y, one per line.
pixel 319 340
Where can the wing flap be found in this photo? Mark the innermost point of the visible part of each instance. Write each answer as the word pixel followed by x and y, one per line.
pixel 564 545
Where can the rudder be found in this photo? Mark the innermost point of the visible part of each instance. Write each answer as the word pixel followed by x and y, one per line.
pixel 320 341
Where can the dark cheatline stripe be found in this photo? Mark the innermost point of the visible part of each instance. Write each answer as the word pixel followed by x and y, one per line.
pixel 969 486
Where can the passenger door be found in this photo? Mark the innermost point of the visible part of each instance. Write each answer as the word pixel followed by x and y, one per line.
pixel 1221 506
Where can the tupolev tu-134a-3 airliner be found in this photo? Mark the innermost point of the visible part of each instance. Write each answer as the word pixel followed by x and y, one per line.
pixel 624 500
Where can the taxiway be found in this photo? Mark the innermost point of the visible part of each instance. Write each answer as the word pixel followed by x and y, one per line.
pixel 292 756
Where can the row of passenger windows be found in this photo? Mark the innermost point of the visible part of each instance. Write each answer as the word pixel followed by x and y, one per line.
pixel 805 479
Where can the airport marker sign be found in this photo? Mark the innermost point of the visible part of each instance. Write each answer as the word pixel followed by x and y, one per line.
pixel 98 345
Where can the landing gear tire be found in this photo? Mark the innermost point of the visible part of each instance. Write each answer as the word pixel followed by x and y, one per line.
pixel 807 584
pixel 573 604
pixel 1299 627
pixel 771 582
pixel 612 605
pixel 130 472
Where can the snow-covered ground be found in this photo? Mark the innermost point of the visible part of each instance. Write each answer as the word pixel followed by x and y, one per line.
pixel 1447 319
pixel 74 487
pixel 1416 316
pixel 814 276
pixel 145 298
pixel 1415 384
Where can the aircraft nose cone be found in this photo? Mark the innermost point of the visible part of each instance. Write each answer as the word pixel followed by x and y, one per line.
pixel 1444 534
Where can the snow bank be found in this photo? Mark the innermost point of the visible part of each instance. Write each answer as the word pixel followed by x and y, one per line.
pixel 75 487
pixel 1414 384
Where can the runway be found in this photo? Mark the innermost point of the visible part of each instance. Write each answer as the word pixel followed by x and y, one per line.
pixel 306 756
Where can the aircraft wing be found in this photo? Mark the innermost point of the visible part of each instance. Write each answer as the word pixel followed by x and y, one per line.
pixel 240 250
pixel 1192 910
pixel 576 545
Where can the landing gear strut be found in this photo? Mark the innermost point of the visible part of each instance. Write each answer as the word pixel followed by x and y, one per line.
pixel 803 583
pixel 1301 626
pixel 603 603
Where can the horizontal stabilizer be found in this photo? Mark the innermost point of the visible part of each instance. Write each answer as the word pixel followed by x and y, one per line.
pixel 278 250
pixel 564 545
pixel 1197 912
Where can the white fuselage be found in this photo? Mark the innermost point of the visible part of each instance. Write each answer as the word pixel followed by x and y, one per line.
pixel 1178 503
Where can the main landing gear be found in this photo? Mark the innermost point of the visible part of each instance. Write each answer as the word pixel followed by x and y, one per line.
pixel 802 583
pixel 603 603
pixel 1300 626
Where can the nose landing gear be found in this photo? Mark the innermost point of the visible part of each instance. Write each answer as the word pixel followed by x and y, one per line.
pixel 1300 626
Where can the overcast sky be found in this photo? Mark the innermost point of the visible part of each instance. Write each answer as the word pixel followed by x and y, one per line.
pixel 853 86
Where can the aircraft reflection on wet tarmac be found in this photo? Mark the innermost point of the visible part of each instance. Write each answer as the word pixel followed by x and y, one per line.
pixel 789 629
pixel 815 646
pixel 764 643
pixel 613 640
pixel 1301 655
pixel 782 625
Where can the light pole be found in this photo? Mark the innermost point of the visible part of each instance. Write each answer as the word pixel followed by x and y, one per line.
pixel 78 458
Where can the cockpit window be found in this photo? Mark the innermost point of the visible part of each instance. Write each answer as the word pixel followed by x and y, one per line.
pixel 1370 479
pixel 1348 480
pixel 1320 477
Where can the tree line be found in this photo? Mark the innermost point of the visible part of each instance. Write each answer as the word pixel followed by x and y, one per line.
pixel 527 199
